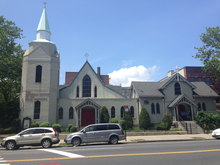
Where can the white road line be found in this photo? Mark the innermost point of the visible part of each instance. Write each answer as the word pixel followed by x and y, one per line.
pixel 76 149
pixel 67 154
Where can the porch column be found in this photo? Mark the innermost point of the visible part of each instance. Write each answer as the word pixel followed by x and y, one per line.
pixel 98 115
pixel 95 115
pixel 77 123
pixel 174 114
pixel 193 112
pixel 80 114
pixel 191 109
pixel 177 114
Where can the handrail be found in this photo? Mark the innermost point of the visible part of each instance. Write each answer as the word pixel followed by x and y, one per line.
pixel 183 124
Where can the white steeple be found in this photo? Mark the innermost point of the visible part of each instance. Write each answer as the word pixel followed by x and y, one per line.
pixel 43 30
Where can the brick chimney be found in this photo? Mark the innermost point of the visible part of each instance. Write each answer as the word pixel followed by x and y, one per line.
pixel 98 71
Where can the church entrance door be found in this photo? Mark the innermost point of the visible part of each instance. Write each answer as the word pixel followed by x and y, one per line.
pixel 88 117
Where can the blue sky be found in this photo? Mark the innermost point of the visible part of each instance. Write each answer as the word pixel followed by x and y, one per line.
pixel 129 39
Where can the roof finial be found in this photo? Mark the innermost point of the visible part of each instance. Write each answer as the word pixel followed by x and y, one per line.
pixel 86 55
pixel 45 4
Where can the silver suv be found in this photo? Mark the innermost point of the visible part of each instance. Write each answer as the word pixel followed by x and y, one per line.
pixel 44 136
pixel 104 132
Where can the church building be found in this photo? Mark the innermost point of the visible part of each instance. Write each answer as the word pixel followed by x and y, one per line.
pixel 85 92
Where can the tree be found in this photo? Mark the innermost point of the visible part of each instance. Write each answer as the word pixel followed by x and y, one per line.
pixel 10 69
pixel 209 53
pixel 144 119
pixel 128 119
pixel 167 119
pixel 104 118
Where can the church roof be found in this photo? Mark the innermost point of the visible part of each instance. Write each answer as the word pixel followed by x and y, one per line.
pixel 43 24
pixel 147 89
pixel 203 90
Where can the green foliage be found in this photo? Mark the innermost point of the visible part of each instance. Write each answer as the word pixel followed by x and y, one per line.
pixel 207 121
pixel 168 119
pixel 16 123
pixel 68 127
pixel 209 53
pixel 144 119
pixel 104 117
pixel 73 129
pixel 162 126
pixel 10 71
pixel 128 120
pixel 114 120
pixel 122 123
pixel 34 124
pixel 45 124
pixel 57 127
pixel 9 130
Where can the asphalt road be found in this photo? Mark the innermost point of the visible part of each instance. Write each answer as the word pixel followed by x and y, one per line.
pixel 164 153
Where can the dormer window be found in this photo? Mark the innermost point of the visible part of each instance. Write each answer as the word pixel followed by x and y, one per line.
pixel 177 88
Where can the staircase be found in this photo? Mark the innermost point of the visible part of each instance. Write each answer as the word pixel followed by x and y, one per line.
pixel 190 126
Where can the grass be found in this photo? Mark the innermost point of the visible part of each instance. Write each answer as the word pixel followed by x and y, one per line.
pixel 198 138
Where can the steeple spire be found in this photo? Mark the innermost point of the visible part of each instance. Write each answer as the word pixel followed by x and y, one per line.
pixel 43 30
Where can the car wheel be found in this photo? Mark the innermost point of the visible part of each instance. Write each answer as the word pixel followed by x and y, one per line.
pixel 10 145
pixel 114 140
pixel 76 142
pixel 46 143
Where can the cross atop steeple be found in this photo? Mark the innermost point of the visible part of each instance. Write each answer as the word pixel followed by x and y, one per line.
pixel 86 55
pixel 45 4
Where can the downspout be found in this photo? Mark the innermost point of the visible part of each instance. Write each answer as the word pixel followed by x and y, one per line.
pixel 138 111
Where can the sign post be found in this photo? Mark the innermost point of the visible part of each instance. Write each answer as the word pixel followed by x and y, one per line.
pixel 125 110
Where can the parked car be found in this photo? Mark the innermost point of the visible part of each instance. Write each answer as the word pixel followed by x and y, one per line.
pixel 216 133
pixel 104 132
pixel 44 136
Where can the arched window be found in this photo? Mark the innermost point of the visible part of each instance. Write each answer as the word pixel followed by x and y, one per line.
pixel 132 111
pixel 122 111
pixel 38 73
pixel 177 88
pixel 86 86
pixel 158 108
pixel 71 113
pixel 37 110
pixel 77 91
pixel 113 112
pixel 203 107
pixel 95 92
pixel 152 108
pixel 199 107
pixel 60 114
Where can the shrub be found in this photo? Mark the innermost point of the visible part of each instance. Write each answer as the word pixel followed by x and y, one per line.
pixel 168 119
pixel 9 130
pixel 16 123
pixel 114 120
pixel 128 120
pixel 73 129
pixel 68 127
pixel 34 124
pixel 144 119
pixel 45 124
pixel 57 127
pixel 1 130
pixel 122 123
pixel 162 126
pixel 104 117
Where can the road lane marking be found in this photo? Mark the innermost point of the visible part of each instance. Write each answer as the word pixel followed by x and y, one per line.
pixel 67 154
pixel 117 155
pixel 76 149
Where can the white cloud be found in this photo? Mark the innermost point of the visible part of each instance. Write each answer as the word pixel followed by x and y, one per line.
pixel 124 76
pixel 126 63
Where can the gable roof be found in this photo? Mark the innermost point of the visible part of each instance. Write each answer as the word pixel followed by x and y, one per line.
pixel 203 90
pixel 87 63
pixel 174 77
pixel 181 98
pixel 147 89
